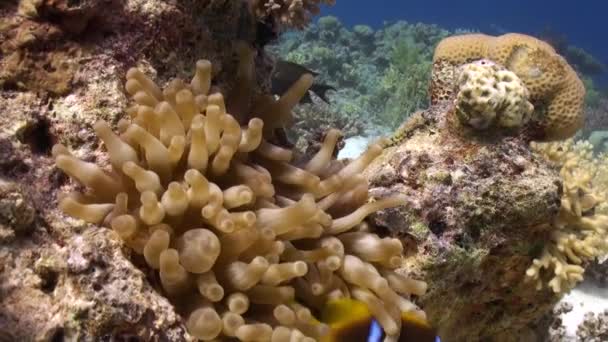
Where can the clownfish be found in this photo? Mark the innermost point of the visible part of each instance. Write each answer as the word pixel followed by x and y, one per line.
pixel 351 321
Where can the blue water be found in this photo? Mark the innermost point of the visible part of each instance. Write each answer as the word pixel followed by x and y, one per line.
pixel 583 22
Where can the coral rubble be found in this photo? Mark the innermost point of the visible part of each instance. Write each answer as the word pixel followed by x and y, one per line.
pixel 246 242
pixel 381 75
pixel 490 95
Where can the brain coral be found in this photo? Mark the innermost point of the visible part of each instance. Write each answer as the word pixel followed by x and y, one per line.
pixel 490 95
pixel 555 90
pixel 245 240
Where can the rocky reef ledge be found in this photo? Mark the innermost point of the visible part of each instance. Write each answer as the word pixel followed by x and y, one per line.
pixel 475 218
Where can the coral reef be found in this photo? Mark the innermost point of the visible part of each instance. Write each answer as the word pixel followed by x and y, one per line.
pixel 312 121
pixel 381 75
pixel 291 13
pixel 476 221
pixel 583 61
pixel 579 234
pixel 246 242
pixel 593 95
pixel 580 59
pixel 555 89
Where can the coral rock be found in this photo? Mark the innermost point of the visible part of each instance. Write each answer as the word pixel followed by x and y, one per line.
pixel 475 217
pixel 555 90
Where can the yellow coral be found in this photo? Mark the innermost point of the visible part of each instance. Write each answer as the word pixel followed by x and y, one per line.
pixel 554 87
pixel 490 95
pixel 245 240
pixel 579 234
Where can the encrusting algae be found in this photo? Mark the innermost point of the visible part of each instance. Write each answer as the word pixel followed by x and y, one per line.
pixel 248 244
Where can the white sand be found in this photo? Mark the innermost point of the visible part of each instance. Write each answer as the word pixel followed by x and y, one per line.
pixel 354 146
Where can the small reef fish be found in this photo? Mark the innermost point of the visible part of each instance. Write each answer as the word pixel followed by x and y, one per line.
pixel 351 321
pixel 286 73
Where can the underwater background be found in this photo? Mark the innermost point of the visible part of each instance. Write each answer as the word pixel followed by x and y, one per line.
pixel 582 23
pixel 377 57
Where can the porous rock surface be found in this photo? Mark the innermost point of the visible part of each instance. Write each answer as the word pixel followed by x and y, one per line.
pixel 62 67
pixel 474 215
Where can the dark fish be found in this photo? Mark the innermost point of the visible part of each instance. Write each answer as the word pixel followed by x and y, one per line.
pixel 287 73
pixel 351 321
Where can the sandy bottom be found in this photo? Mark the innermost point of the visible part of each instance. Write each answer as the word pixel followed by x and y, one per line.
pixel 354 146
pixel 584 298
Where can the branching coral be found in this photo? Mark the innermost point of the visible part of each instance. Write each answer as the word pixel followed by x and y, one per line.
pixel 246 242
pixel 292 13
pixel 578 234
pixel 555 89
